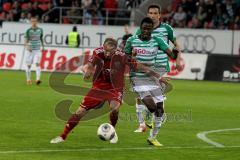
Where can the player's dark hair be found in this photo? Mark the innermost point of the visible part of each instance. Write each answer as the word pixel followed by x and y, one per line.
pixel 110 41
pixel 34 17
pixel 74 28
pixel 147 20
pixel 125 37
pixel 154 6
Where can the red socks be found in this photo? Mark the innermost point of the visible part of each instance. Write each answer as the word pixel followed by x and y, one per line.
pixel 72 122
pixel 113 118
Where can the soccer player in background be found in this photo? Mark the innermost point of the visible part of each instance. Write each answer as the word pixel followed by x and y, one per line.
pixel 144 48
pixel 166 32
pixel 107 66
pixel 33 43
pixel 125 37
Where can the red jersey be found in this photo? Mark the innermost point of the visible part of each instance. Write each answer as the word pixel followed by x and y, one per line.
pixel 109 73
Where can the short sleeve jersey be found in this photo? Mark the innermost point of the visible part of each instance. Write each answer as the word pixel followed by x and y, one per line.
pixel 110 71
pixel 166 32
pixel 34 37
pixel 144 52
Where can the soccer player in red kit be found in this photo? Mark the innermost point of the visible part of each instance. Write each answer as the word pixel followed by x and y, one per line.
pixel 107 66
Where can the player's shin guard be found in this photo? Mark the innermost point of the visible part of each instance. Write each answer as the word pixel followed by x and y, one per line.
pixel 72 122
pixel 139 111
pixel 156 126
pixel 28 73
pixel 113 117
pixel 38 73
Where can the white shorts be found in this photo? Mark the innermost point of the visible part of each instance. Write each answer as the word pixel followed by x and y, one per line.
pixel 33 57
pixel 147 86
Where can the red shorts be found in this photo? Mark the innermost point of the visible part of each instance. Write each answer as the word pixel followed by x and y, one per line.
pixel 96 97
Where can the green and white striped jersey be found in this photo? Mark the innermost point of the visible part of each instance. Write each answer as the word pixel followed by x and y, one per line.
pixel 144 51
pixel 165 32
pixel 34 37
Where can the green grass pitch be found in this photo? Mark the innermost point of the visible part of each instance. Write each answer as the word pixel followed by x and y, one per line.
pixel 28 122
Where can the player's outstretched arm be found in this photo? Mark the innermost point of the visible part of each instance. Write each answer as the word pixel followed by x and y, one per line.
pixel 179 57
pixel 88 70
pixel 165 47
pixel 151 72
pixel 26 41
pixel 43 48
pixel 172 53
pixel 26 46
pixel 148 70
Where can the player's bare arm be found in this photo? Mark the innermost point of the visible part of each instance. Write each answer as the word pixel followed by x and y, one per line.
pixel 42 42
pixel 152 73
pixel 172 53
pixel 26 46
pixel 178 60
pixel 88 70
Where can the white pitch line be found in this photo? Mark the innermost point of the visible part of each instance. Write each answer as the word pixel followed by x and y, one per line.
pixel 41 150
pixel 202 136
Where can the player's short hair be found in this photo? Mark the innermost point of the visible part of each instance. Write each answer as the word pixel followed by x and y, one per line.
pixel 125 37
pixel 110 41
pixel 147 20
pixel 34 17
pixel 154 6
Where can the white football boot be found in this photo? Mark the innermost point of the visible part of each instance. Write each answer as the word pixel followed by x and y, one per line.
pixel 114 139
pixel 56 140
pixel 142 128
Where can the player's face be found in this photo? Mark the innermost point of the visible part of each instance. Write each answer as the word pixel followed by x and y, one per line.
pixel 154 14
pixel 34 22
pixel 146 30
pixel 109 50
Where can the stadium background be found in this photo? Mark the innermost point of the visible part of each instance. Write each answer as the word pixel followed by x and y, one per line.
pixel 208 31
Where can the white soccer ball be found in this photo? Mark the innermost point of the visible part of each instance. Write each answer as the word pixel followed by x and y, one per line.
pixel 106 132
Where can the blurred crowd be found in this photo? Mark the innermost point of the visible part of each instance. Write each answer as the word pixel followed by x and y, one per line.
pixel 215 14
pixel 208 14
pixel 81 11
pixel 23 10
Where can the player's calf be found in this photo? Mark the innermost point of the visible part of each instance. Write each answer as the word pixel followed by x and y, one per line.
pixel 113 116
pixel 71 123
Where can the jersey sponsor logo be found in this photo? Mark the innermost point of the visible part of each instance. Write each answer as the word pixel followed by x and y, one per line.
pixel 118 52
pixel 99 50
pixel 35 38
pixel 142 51
pixel 197 43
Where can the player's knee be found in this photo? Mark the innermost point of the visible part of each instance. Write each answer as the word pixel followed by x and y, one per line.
pixel 114 106
pixel 149 102
pixel 114 109
pixel 152 109
pixel 37 65
pixel 81 111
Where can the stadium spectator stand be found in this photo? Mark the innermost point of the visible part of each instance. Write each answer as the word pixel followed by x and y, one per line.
pixel 214 14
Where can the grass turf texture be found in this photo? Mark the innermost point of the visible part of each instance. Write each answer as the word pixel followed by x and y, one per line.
pixel 28 123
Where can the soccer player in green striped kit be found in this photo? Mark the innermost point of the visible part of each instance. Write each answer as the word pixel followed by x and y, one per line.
pixel 144 48
pixel 33 43
pixel 165 32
